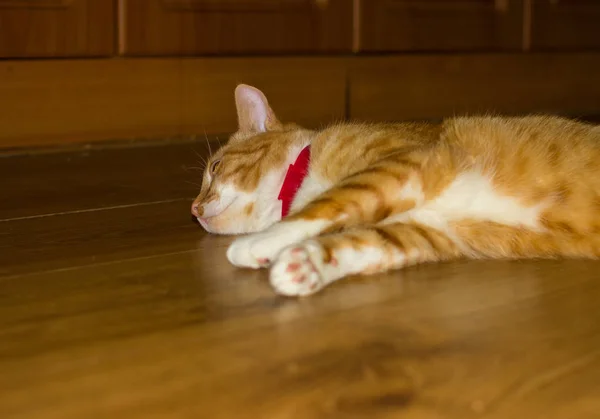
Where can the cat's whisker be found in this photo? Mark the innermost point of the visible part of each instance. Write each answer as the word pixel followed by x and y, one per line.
pixel 193 184
pixel 208 144
pixel 201 157
pixel 199 168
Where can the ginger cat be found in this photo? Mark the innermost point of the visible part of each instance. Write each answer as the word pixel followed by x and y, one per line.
pixel 365 198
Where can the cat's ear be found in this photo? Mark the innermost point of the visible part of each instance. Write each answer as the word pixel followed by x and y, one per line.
pixel 253 110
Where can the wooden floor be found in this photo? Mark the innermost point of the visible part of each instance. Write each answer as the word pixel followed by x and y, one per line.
pixel 114 304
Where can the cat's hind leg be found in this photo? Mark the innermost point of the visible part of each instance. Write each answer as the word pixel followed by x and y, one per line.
pixel 305 268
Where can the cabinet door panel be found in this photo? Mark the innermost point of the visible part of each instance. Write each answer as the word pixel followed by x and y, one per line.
pixel 440 25
pixel 57 28
pixel 205 27
pixel 565 24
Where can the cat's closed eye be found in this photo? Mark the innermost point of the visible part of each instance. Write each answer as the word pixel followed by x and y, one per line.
pixel 214 166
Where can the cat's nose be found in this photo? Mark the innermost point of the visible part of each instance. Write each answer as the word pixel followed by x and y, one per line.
pixel 195 210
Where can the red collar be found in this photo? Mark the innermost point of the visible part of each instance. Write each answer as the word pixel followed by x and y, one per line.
pixel 293 179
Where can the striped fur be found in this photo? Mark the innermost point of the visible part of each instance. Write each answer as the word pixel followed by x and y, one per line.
pixel 385 196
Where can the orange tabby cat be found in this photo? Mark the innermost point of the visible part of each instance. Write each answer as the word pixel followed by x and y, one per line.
pixel 370 198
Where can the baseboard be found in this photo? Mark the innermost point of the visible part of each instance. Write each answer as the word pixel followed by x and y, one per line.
pixel 66 101
pixel 434 86
pixel 58 102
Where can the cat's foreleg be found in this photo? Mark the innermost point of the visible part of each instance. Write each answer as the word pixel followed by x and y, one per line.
pixel 364 198
pixel 305 268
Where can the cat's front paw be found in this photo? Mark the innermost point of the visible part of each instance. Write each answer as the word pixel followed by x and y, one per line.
pixel 256 250
pixel 298 270
pixel 243 253
pixel 260 249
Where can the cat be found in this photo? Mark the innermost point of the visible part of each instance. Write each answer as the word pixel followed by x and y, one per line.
pixel 366 198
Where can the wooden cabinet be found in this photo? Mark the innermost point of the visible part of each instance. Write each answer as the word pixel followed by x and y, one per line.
pixel 565 24
pixel 205 27
pixel 440 25
pixel 97 28
pixel 57 28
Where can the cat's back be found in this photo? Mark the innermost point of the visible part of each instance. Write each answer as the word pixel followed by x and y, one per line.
pixel 530 143
pixel 514 133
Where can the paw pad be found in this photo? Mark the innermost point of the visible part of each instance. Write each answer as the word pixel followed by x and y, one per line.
pixel 294 272
pixel 299 279
pixel 293 267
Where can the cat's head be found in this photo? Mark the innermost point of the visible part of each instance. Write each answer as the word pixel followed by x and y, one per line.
pixel 242 180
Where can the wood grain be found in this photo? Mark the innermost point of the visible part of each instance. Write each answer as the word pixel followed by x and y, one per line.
pixel 440 25
pixel 96 236
pixel 434 86
pixel 162 172
pixel 208 27
pixel 57 28
pixel 169 337
pixel 135 313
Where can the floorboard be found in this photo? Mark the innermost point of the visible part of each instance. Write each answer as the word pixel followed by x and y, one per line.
pixel 122 307
pixel 101 235
pixel 41 183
